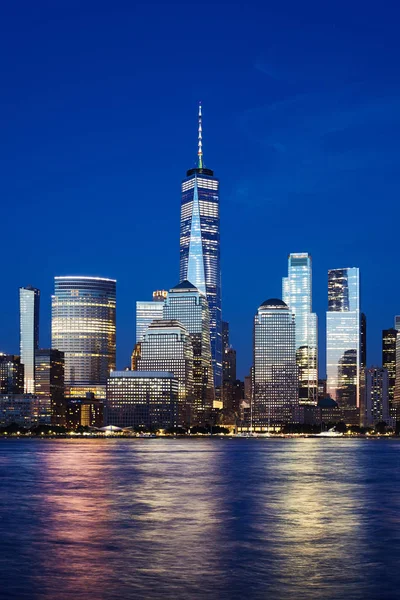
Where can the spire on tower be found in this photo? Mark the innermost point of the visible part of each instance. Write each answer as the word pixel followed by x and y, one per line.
pixel 200 146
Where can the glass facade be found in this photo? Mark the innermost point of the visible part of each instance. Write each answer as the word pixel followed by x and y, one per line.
pixel 188 306
pixel 167 346
pixel 297 294
pixel 83 328
pixel 343 337
pixel 11 374
pixel 49 382
pixel 142 399
pixel 29 299
pixel 146 313
pixel 376 396
pixel 276 398
pixel 200 247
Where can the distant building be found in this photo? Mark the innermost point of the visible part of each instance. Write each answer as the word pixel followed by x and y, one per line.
pixel 275 392
pixel 343 337
pixel 376 396
pixel 11 374
pixel 83 327
pixel 329 412
pixel 297 294
pixel 142 399
pixel 25 410
pixel 188 306
pixel 225 336
pixel 321 389
pixel 396 395
pixel 148 311
pixel 167 346
pixel 229 365
pixel 84 412
pixel 200 245
pixel 49 382
pixel 389 337
pixel 29 300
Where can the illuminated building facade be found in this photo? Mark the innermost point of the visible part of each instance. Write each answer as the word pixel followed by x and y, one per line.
pixel 29 300
pixel 343 337
pixel 83 328
pixel 49 382
pixel 200 246
pixel 11 374
pixel 25 410
pixel 142 399
pixel 297 294
pixel 167 346
pixel 188 306
pixel 389 338
pixel 376 396
pixel 275 394
pixel 147 311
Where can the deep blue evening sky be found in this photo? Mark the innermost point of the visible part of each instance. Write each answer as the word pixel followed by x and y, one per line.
pixel 301 105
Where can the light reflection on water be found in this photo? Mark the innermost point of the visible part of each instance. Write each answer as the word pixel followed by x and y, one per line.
pixel 105 519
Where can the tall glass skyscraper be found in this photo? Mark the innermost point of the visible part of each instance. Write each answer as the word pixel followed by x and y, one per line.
pixel 297 294
pixel 200 245
pixel 188 306
pixel 147 311
pixel 29 299
pixel 276 390
pixel 343 336
pixel 83 327
pixel 389 339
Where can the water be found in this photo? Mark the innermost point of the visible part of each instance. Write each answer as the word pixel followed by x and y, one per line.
pixel 220 518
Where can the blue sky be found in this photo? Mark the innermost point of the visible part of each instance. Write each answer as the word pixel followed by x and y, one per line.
pixel 301 105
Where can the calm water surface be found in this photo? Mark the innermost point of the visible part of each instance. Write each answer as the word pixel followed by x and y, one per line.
pixel 108 519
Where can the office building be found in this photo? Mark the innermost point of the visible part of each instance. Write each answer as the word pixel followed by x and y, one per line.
pixel 200 245
pixel 11 374
pixel 229 365
pixel 276 397
pixel 25 410
pixel 148 311
pixel 297 294
pixel 29 302
pixel 376 405
pixel 225 335
pixel 343 337
pixel 188 306
pixel 142 400
pixel 83 328
pixel 84 412
pixel 389 338
pixel 49 382
pixel 167 346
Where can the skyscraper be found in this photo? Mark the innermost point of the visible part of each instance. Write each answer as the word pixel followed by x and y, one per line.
pixel 188 306
pixel 147 311
pixel 29 298
pixel 49 382
pixel 11 374
pixel 376 396
pixel 343 337
pixel 200 245
pixel 389 337
pixel 276 394
pixel 83 327
pixel 167 346
pixel 297 294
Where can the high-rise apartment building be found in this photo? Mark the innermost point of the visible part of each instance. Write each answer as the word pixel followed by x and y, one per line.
pixel 148 311
pixel 49 382
pixel 83 328
pixel 200 245
pixel 188 306
pixel 389 337
pixel 11 374
pixel 29 300
pixel 167 346
pixel 297 294
pixel 275 395
pixel 343 337
pixel 376 403
pixel 142 399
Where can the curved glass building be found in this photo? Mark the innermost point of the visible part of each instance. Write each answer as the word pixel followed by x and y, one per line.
pixel 83 327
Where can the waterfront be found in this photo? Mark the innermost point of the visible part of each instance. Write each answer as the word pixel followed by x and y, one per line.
pixel 215 518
